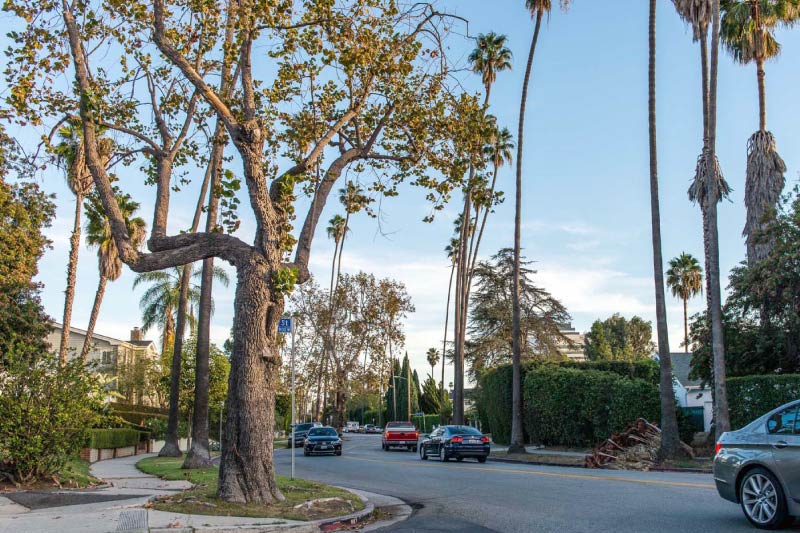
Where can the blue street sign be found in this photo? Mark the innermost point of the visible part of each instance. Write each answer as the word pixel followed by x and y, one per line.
pixel 285 325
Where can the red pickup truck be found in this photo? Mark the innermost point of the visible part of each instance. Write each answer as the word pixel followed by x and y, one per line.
pixel 400 434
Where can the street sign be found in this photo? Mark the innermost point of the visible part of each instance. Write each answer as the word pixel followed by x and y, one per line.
pixel 285 325
pixel 419 413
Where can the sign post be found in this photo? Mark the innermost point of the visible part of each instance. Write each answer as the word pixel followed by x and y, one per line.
pixel 286 325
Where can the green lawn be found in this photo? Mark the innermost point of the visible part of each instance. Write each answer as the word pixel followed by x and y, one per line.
pixel 76 474
pixel 202 498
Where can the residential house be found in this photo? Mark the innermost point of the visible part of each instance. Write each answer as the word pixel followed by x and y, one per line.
pixel 117 358
pixel 691 393
pixel 574 349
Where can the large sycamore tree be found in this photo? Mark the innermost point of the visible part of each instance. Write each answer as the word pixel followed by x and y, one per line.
pixel 322 89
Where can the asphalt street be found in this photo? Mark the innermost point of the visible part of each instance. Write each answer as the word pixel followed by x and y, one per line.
pixel 496 496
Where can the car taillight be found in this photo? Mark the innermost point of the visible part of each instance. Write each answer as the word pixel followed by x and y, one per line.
pixel 484 439
pixel 717 448
pixel 416 435
pixel 456 440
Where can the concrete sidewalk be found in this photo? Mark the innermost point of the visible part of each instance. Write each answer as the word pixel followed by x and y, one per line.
pixel 541 451
pixel 103 510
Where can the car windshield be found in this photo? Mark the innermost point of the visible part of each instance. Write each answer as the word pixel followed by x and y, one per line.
pixel 322 432
pixel 304 427
pixel 464 430
pixel 400 425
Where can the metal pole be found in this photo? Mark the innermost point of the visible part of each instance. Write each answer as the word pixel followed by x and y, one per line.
pixel 221 412
pixel 292 419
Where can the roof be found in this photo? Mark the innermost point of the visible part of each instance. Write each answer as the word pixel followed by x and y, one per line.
pixel 111 340
pixel 681 367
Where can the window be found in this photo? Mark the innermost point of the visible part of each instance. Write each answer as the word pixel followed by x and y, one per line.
pixel 783 423
pixel 106 358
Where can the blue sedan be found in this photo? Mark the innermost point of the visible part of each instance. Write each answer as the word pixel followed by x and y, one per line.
pixel 455 442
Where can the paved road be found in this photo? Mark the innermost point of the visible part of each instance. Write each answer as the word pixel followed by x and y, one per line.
pixel 510 497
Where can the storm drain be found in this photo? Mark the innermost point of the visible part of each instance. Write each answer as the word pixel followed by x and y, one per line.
pixel 133 521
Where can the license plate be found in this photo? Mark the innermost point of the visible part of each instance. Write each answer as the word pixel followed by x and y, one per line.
pixel 324 447
pixel 473 441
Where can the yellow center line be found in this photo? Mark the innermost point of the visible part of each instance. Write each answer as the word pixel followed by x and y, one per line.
pixel 548 474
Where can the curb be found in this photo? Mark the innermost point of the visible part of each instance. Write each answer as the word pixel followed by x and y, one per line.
pixel 535 463
pixel 683 470
pixel 315 526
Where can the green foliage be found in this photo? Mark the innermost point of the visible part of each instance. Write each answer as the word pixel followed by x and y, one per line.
pixel 139 417
pixel 24 211
pixel 753 396
pixel 645 369
pixel 619 339
pixel 45 411
pixel 119 407
pixel 284 280
pixel 569 407
pixel 114 438
pixel 761 318
pixel 430 400
pixel 425 422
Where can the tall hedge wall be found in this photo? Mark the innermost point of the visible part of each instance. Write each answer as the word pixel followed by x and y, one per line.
pixel 570 404
pixel 752 396
pixel 114 438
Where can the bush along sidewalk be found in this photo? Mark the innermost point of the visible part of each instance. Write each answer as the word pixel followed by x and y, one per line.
pixel 305 500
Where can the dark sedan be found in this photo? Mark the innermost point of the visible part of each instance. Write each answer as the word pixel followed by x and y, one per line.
pixel 301 432
pixel 455 442
pixel 322 440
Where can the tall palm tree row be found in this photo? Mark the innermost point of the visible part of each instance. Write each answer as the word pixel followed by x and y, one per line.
pixel 685 279
pixel 98 234
pixel 489 57
pixel 452 254
pixel 70 154
pixel 537 9
pixel 709 187
pixel 670 440
pixel 748 33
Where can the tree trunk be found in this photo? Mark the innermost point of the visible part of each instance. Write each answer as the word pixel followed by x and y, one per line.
pixel 458 338
pixel 517 433
pixel 72 268
pixel 171 446
pixel 704 80
pixel 685 325
pixel 670 440
pixel 722 416
pixel 98 299
pixel 762 96
pixel 446 318
pixel 199 455
pixel 247 473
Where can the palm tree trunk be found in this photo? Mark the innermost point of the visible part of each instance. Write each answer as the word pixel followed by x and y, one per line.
pixel 685 326
pixel 171 447
pixel 72 268
pixel 722 416
pixel 458 348
pixel 762 96
pixel 670 440
pixel 446 318
pixel 704 78
pixel 98 299
pixel 517 434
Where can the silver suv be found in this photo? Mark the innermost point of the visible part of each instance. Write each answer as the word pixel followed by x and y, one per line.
pixel 758 467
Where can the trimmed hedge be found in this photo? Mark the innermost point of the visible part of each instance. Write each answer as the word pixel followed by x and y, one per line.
pixel 752 396
pixel 570 407
pixel 429 422
pixel 129 407
pixel 494 395
pixel 115 438
pixel 135 417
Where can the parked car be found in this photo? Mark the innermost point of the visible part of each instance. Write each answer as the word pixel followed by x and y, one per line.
pixel 301 432
pixel 322 440
pixel 758 467
pixel 351 427
pixel 455 442
pixel 376 429
pixel 367 428
pixel 397 434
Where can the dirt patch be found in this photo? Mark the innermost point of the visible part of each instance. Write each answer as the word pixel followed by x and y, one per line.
pixel 539 458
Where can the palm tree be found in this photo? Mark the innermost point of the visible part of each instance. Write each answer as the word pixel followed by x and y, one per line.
pixel 670 439
pixel 748 32
pixel 98 233
pixel 433 357
pixel 452 254
pixel 685 279
pixel 713 193
pixel 537 9
pixel 336 230
pixel 71 156
pixel 489 57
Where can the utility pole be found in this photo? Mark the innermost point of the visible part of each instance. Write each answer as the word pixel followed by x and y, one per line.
pixel 292 416
pixel 394 394
pixel 408 388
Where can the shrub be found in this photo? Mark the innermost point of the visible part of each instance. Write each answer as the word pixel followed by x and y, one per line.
pixel 425 423
pixel 45 411
pixel 120 407
pixel 115 437
pixel 752 396
pixel 158 427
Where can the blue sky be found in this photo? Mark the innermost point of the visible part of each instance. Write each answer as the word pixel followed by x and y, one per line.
pixel 586 217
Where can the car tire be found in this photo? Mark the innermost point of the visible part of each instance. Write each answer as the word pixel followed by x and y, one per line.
pixel 443 455
pixel 756 485
pixel 338 454
pixel 481 460
pixel 423 455
pixel 306 453
pixel 384 447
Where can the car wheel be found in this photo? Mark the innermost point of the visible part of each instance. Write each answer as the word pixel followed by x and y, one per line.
pixel 339 453
pixel 423 455
pixel 762 500
pixel 481 459
pixel 306 453
pixel 443 455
